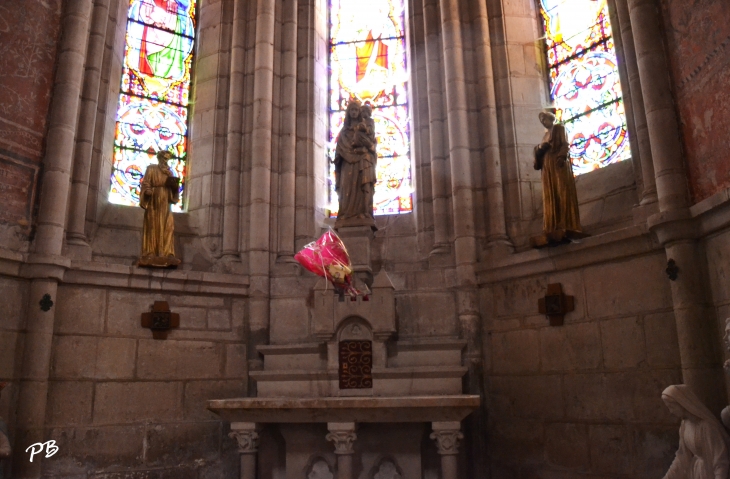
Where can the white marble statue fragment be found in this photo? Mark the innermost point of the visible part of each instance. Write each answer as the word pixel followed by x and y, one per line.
pixel 703 442
pixel 725 414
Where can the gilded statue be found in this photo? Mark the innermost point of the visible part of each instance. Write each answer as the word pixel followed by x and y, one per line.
pixel 355 162
pixel 158 190
pixel 703 442
pixel 561 220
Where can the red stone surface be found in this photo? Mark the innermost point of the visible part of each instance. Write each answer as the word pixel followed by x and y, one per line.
pixel 17 189
pixel 29 34
pixel 698 41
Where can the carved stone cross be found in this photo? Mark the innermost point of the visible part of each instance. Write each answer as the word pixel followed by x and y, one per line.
pixel 160 320
pixel 555 304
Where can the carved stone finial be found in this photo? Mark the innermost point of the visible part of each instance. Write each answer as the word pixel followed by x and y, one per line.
pixel 343 441
pixel 247 438
pixel 447 441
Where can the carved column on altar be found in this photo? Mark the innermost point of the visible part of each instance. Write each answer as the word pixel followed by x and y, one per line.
pixel 448 435
pixel 247 436
pixel 342 434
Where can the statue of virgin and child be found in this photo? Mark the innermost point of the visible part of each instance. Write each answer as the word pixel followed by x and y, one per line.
pixel 355 166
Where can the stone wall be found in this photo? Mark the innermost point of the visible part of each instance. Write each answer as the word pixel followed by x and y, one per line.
pixel 698 43
pixel 122 404
pixel 582 399
pixel 717 249
pixel 29 33
pixel 14 293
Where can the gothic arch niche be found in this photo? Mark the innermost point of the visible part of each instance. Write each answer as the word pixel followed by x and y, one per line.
pixel 386 468
pixel 319 468
pixel 354 328
pixel 355 354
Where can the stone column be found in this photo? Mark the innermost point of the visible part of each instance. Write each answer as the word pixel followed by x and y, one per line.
pixel 260 208
pixel 75 234
pixel 448 435
pixel 666 149
pixel 62 127
pixel 288 141
pixel 673 226
pixel 45 265
pixel 247 436
pixel 342 434
pixel 497 238
pixel 641 138
pixel 234 141
pixel 434 72
pixel 462 194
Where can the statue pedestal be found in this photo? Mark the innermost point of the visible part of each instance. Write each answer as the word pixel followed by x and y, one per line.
pixel 358 241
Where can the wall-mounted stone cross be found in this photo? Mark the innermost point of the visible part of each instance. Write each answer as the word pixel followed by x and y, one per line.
pixel 555 304
pixel 160 320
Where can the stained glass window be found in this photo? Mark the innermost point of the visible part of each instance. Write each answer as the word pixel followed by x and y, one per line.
pixel 584 81
pixel 368 62
pixel 155 94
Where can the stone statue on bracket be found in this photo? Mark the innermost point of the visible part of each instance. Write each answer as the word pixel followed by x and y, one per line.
pixel 355 163
pixel 158 190
pixel 703 442
pixel 561 220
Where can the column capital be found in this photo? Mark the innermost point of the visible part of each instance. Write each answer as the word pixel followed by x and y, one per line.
pixel 343 436
pixel 247 436
pixel 448 436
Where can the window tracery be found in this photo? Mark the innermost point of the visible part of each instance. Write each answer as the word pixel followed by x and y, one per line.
pixel 368 62
pixel 153 108
pixel 584 81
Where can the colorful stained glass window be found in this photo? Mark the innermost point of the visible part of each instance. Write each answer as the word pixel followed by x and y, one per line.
pixel 584 81
pixel 155 94
pixel 368 62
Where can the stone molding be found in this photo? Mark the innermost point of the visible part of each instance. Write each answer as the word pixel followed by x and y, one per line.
pixel 447 441
pixel 343 441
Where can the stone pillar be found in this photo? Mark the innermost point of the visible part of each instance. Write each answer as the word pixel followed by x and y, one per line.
pixel 641 137
pixel 448 435
pixel 462 194
pixel 62 127
pixel 260 208
pixel 693 311
pixel 234 137
pixel 288 141
pixel 33 388
pixel 342 434
pixel 439 167
pixel 666 149
pixel 75 234
pixel 247 436
pixel 45 265
pixel 627 95
pixel 497 240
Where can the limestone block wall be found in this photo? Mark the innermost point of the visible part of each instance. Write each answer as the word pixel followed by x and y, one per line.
pixel 14 294
pixel 425 287
pixel 698 41
pixel 583 399
pixel 122 403
pixel 717 250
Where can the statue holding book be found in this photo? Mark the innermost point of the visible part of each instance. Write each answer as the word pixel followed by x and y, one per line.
pixel 158 190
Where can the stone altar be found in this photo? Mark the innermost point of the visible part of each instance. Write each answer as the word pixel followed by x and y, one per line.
pixel 304 422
